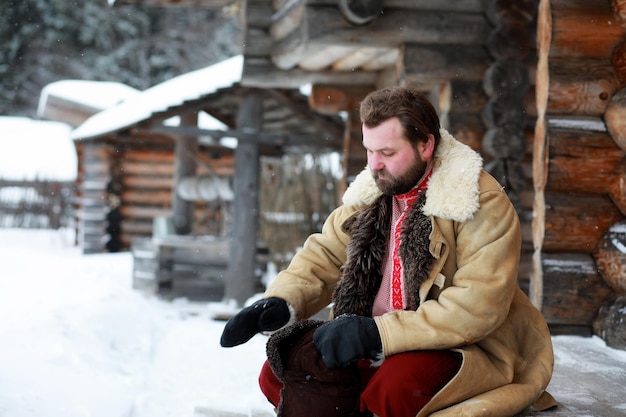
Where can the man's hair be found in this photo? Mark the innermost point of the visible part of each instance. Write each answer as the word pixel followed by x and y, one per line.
pixel 417 115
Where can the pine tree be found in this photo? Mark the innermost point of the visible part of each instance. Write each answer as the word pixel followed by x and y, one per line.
pixel 42 41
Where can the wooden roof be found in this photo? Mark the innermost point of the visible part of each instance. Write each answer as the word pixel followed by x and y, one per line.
pixel 289 124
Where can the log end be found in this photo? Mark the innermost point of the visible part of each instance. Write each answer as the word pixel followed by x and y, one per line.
pixel 615 118
pixel 610 257
pixel 609 324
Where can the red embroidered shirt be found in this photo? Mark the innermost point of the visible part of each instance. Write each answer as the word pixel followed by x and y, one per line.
pixel 391 294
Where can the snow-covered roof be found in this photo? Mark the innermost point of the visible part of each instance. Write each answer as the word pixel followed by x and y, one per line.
pixel 97 95
pixel 173 92
pixel 36 149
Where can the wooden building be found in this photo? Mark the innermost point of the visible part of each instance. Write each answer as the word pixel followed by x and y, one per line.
pixel 156 175
pixel 535 86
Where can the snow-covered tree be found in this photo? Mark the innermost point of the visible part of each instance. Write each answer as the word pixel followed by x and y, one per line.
pixel 42 41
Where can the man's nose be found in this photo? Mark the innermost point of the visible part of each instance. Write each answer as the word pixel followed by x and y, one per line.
pixel 374 162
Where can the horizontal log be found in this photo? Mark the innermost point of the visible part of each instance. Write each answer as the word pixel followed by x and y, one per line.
pixel 152 156
pixel 148 182
pixel 467 128
pixel 575 222
pixel 132 212
pixel 435 64
pixel 368 58
pixel 326 56
pixel 332 99
pixel 573 291
pixel 131 167
pixel 257 42
pixel 326 26
pixel 398 26
pixel 581 87
pixel 147 197
pixel 467 96
pixel 259 14
pixel 583 28
pixel 261 72
pixel 582 161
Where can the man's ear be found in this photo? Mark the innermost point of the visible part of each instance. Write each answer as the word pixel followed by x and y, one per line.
pixel 427 149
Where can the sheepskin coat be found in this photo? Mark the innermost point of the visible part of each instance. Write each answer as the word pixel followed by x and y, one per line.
pixel 460 252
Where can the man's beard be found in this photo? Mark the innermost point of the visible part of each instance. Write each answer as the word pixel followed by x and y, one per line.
pixel 402 184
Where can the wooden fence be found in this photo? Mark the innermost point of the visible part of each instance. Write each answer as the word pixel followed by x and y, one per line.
pixel 36 204
pixel 297 193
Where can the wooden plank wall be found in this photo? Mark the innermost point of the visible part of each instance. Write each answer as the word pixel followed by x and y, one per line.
pixel 137 180
pixel 575 159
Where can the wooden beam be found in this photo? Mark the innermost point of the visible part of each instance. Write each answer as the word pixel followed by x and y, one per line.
pixel 243 245
pixel 540 150
pixel 326 26
pixel 262 73
pixel 332 99
pixel 434 64
pixel 184 165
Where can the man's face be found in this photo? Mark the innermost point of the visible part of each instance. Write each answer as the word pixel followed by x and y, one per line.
pixel 396 165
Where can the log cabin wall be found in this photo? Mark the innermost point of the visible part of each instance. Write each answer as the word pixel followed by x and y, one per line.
pixel 576 159
pixel 124 185
pixel 469 56
pixel 504 89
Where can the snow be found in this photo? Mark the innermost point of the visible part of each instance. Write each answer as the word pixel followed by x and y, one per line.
pixel 80 341
pixel 98 95
pixel 36 149
pixel 138 107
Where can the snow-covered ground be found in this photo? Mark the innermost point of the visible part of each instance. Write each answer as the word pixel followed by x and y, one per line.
pixel 77 340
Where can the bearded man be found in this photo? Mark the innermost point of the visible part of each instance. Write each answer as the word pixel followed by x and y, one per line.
pixel 420 264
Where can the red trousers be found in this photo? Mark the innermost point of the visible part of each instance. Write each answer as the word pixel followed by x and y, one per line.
pixel 400 387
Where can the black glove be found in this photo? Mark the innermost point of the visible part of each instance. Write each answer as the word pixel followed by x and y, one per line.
pixel 346 339
pixel 264 315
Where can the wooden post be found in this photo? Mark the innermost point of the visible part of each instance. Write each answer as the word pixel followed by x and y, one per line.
pixel 540 150
pixel 240 284
pixel 186 149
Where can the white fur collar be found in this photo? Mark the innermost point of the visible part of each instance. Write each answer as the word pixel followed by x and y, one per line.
pixel 452 189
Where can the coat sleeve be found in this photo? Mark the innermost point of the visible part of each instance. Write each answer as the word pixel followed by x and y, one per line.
pixel 485 254
pixel 312 275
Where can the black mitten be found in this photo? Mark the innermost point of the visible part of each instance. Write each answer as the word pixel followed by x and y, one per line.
pixel 264 315
pixel 346 339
